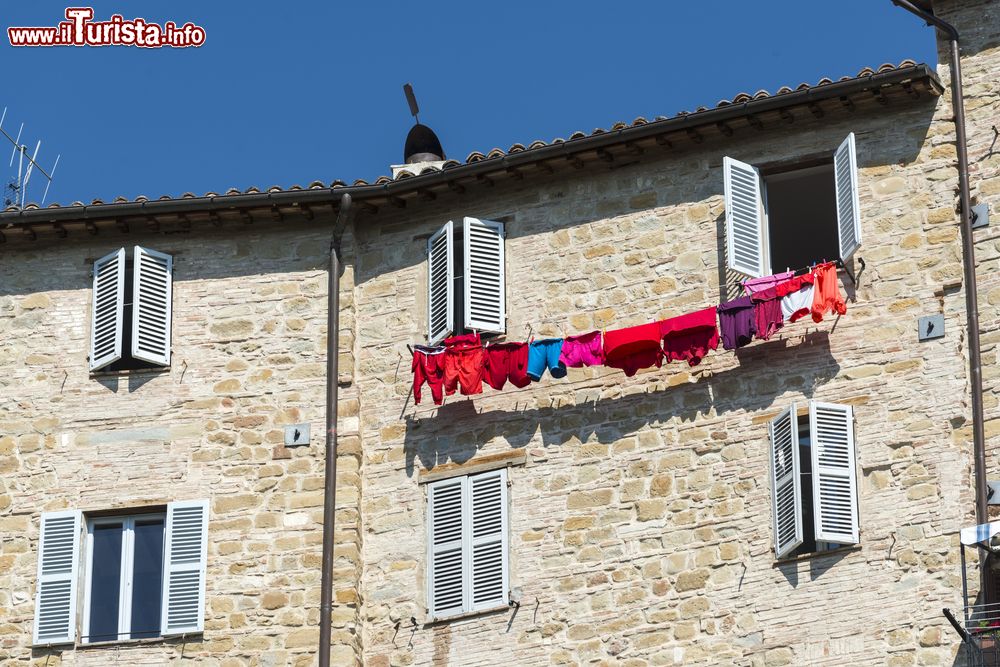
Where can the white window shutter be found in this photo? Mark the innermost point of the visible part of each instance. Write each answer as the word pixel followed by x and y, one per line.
pixel 488 539
pixel 834 472
pixel 440 284
pixel 447 593
pixel 484 281
pixel 58 562
pixel 185 559
pixel 109 302
pixel 745 238
pixel 151 294
pixel 786 495
pixel 845 168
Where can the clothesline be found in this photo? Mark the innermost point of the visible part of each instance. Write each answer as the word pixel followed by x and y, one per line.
pixel 463 363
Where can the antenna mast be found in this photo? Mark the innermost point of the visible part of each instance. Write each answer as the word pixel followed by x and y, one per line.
pixel 16 189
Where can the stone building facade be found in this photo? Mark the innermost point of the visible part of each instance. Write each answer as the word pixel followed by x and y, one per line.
pixel 638 510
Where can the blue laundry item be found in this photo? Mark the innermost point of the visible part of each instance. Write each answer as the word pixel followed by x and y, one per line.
pixel 544 354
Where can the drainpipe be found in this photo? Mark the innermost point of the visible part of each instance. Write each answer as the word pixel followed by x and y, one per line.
pixel 968 254
pixel 330 483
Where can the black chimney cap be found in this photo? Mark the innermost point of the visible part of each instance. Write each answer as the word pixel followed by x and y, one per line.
pixel 422 145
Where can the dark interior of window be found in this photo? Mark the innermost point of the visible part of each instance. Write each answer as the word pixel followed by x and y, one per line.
pixel 802 217
pixel 809 544
pixel 105 582
pixel 147 578
pixel 458 259
pixel 127 362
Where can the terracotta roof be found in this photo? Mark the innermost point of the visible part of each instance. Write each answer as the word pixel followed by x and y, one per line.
pixel 868 82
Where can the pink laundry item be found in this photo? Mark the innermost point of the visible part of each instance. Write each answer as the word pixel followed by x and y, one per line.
pixel 690 337
pixel 754 285
pixel 767 312
pixel 583 350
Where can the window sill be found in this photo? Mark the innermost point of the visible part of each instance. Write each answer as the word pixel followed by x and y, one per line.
pixel 464 615
pixel 817 554
pixel 159 370
pixel 117 642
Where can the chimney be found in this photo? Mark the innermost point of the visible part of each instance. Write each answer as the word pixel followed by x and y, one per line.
pixel 422 148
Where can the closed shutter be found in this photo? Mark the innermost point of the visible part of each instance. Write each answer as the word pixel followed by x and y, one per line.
pixel 109 303
pixel 58 562
pixel 834 472
pixel 151 306
pixel 845 167
pixel 745 249
pixel 440 284
pixel 185 556
pixel 488 538
pixel 786 496
pixel 447 593
pixel 485 304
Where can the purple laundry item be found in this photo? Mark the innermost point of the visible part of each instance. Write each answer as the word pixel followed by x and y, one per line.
pixel 755 285
pixel 736 320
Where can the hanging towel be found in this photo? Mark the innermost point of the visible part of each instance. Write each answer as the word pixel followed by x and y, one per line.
pixel 754 285
pixel 690 337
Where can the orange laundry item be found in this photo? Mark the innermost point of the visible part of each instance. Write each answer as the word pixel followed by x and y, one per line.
pixel 826 295
pixel 464 364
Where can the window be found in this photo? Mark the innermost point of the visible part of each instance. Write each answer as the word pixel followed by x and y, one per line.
pixel 467 544
pixel 792 218
pixel 465 279
pixel 814 497
pixel 131 303
pixel 143 575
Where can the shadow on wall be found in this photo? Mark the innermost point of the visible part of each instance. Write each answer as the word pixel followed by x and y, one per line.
pixel 765 371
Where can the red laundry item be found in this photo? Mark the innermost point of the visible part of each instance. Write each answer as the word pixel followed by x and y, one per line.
pixel 633 348
pixel 464 364
pixel 690 337
pixel 826 296
pixel 428 366
pixel 793 284
pixel 767 312
pixel 507 361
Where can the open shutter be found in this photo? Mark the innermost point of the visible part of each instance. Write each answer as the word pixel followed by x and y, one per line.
pixel 185 556
pixel 744 219
pixel 446 589
pixel 109 303
pixel 488 538
pixel 440 284
pixel 485 306
pixel 845 167
pixel 58 561
pixel 834 472
pixel 151 306
pixel 786 496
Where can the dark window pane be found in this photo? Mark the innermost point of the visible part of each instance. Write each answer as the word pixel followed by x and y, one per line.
pixel 105 583
pixel 147 578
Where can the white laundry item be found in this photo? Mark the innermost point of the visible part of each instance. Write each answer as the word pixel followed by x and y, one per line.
pixel 797 304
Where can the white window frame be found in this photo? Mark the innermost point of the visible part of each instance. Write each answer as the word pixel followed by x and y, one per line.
pixel 468 543
pixel 847 208
pixel 127 569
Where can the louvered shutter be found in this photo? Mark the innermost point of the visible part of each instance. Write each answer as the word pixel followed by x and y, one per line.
pixel 440 284
pixel 845 167
pixel 109 302
pixel 488 539
pixel 485 304
pixel 56 586
pixel 834 472
pixel 151 293
pixel 447 593
pixel 744 219
pixel 786 494
pixel 185 556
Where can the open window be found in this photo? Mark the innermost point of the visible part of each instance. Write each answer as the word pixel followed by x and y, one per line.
pixel 465 279
pixel 130 323
pixel 140 576
pixel 790 218
pixel 814 496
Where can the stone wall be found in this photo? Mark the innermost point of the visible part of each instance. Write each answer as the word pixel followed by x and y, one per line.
pixel 249 338
pixel 641 524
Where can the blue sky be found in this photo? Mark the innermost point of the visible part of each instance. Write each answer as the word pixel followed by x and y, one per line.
pixel 286 93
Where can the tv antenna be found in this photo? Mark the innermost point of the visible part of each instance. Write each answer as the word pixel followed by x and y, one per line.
pixel 411 99
pixel 16 189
